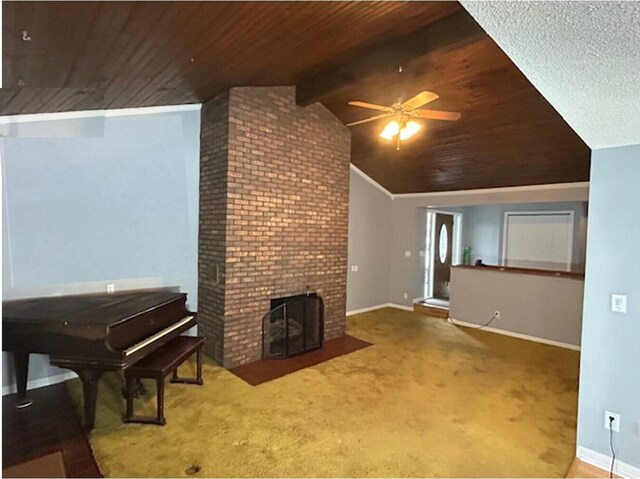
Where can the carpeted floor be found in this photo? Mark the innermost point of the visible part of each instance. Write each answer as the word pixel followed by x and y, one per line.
pixel 427 399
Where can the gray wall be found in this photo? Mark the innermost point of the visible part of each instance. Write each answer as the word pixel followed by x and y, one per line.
pixel 610 361
pixel 88 202
pixel 369 244
pixel 544 307
pixel 482 229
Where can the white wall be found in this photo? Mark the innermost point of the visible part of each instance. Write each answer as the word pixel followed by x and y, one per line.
pixel 90 201
pixel 369 244
pixel 610 361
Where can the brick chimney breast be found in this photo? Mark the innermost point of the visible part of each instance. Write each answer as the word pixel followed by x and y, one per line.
pixel 274 193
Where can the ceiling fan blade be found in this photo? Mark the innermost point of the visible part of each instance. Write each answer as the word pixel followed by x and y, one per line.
pixel 437 115
pixel 420 99
pixel 377 117
pixel 370 106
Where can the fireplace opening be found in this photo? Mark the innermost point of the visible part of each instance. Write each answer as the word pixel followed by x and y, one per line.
pixel 294 325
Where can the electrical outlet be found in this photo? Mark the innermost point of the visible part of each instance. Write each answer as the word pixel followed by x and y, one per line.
pixel 354 268
pixel 111 288
pixel 496 314
pixel 407 254
pixel 616 420
pixel 619 303
pixel 406 296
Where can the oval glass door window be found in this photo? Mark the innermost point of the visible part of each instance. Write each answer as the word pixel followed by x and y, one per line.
pixel 444 244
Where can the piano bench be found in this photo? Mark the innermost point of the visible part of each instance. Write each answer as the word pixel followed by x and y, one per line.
pixel 157 366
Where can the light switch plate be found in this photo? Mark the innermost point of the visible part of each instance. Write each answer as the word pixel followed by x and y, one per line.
pixel 407 254
pixel 619 303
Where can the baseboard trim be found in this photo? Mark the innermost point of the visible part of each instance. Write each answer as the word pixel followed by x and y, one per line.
pixel 367 309
pixel 379 306
pixel 39 383
pixel 504 332
pixel 400 306
pixel 603 461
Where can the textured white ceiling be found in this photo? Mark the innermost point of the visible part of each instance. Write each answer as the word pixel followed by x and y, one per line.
pixel 584 57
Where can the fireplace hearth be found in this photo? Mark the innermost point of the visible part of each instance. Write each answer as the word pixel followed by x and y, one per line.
pixel 294 325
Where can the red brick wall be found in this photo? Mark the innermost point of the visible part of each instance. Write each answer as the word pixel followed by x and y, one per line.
pixel 286 212
pixel 214 139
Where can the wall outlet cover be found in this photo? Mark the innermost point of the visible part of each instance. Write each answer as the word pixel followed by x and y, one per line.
pixel 111 288
pixel 616 420
pixel 407 254
pixel 619 303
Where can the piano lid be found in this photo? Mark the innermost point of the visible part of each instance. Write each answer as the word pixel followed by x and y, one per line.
pixel 100 309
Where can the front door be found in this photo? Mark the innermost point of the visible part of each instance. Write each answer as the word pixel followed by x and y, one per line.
pixel 442 252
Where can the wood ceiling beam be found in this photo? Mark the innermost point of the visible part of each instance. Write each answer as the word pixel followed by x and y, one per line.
pixel 451 32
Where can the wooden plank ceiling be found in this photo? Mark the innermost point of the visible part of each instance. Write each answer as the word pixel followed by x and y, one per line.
pixel 93 55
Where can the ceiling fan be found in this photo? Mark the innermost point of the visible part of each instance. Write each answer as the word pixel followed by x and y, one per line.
pixel 403 125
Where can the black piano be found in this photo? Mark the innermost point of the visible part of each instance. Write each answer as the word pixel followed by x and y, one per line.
pixel 91 334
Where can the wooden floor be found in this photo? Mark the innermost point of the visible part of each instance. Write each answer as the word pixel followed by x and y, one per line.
pixel 582 469
pixel 50 424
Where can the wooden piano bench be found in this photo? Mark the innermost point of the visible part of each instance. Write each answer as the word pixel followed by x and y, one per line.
pixel 158 365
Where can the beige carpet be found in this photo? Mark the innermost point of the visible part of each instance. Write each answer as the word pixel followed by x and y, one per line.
pixel 427 399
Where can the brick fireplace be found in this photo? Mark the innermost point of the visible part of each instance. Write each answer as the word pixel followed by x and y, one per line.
pixel 274 192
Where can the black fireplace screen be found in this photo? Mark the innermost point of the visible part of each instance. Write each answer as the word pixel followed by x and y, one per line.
pixel 294 325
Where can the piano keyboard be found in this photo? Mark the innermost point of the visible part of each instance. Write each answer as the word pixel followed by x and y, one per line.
pixel 156 336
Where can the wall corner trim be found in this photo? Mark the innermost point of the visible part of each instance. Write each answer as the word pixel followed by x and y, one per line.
pixel 603 461
pixel 504 189
pixel 370 180
pixel 527 337
pixel 39 383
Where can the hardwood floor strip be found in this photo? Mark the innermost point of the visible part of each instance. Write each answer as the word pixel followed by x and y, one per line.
pixel 582 469
pixel 48 426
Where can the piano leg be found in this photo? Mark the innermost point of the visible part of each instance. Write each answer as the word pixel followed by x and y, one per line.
pixel 89 378
pixel 21 366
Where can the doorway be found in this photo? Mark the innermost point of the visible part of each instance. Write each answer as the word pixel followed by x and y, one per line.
pixel 443 250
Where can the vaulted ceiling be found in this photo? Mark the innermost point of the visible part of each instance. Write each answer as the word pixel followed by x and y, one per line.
pixel 94 55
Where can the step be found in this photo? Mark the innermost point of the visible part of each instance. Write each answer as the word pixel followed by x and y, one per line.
pixel 431 310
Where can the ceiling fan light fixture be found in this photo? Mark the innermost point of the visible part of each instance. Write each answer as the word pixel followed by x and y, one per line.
pixel 410 129
pixel 405 131
pixel 390 130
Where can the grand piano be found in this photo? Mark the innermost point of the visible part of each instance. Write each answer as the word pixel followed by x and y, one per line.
pixel 91 334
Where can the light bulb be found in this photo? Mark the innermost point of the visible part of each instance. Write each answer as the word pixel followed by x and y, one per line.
pixel 390 130
pixel 410 129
